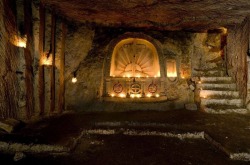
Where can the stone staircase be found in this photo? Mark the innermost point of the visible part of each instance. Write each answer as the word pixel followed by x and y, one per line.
pixel 219 95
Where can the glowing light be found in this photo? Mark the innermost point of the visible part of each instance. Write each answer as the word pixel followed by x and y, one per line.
pixel 138 95
pixel 182 77
pixel 171 68
pixel 199 82
pixel 204 97
pixel 149 95
pixel 19 41
pixel 128 75
pixel 147 76
pixel 155 76
pixel 112 95
pixel 172 74
pixel 46 60
pixel 122 95
pixel 74 80
pixel 22 44
pixel 158 74
pixel 132 96
pixel 157 95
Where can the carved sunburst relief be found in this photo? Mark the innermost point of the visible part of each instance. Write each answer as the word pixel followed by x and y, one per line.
pixel 134 57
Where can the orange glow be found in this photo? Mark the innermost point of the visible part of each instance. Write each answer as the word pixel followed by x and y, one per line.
pixel 157 95
pixel 138 95
pixel 122 95
pixel 46 60
pixel 171 68
pixel 112 95
pixel 135 63
pixel 19 41
pixel 149 95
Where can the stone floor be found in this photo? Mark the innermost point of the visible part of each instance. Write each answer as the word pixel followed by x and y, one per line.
pixel 228 135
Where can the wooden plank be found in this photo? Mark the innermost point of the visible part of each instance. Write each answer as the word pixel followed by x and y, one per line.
pixel 41 84
pixel 61 103
pixel 52 71
pixel 28 59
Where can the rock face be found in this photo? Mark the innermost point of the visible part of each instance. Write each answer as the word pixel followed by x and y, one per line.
pixel 9 125
pixel 167 15
pixel 207 59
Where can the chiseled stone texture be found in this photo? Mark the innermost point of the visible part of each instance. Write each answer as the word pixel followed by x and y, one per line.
pixel 86 92
pixel 167 15
pixel 237 48
pixel 207 59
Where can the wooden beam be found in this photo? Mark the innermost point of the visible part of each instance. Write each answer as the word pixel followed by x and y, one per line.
pixel 52 71
pixel 41 87
pixel 28 59
pixel 61 103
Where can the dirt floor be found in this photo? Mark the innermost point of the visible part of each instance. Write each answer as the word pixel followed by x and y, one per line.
pixel 231 131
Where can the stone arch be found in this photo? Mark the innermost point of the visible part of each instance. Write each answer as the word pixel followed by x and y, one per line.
pixel 151 43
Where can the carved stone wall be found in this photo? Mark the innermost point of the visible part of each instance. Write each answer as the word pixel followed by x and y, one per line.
pixel 237 48
pixel 9 91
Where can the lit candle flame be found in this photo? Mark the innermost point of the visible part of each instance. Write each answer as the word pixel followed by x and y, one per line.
pixel 122 95
pixel 74 80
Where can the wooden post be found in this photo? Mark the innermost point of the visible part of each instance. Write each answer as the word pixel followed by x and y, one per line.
pixel 52 71
pixel 41 52
pixel 28 59
pixel 62 68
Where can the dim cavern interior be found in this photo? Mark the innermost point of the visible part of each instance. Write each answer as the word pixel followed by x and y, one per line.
pixel 125 81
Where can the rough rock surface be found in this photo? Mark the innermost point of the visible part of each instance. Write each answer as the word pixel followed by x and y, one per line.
pixel 9 125
pixel 167 15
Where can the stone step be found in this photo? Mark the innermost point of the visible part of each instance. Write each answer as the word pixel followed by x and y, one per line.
pixel 216 79
pixel 226 111
pixel 235 102
pixel 210 73
pixel 219 94
pixel 203 86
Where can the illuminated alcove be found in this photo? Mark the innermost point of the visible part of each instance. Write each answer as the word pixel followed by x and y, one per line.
pixel 134 57
pixel 134 71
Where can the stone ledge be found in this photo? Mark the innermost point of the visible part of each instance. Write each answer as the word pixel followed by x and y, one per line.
pixel 31 148
pixel 135 100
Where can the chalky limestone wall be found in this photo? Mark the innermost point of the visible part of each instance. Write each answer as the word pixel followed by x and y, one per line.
pixel 87 93
pixel 237 48
pixel 8 53
pixel 207 59
pixel 87 48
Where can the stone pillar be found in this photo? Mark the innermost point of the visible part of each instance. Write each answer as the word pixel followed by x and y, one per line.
pixel 107 89
pixel 162 89
pixel 127 86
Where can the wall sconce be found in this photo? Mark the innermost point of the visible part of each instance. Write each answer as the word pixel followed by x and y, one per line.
pixel 74 79
pixel 171 69
pixel 19 41
pixel 47 59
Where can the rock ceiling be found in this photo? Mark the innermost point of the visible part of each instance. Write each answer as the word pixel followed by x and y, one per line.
pixel 155 14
